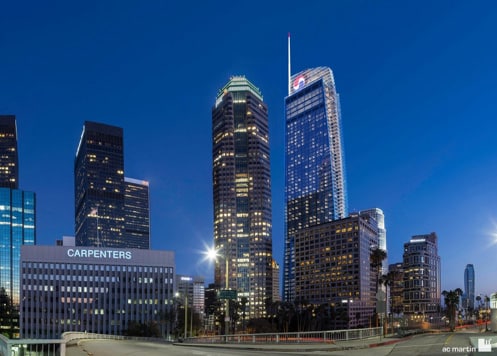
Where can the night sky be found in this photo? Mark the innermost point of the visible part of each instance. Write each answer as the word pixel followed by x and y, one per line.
pixel 418 99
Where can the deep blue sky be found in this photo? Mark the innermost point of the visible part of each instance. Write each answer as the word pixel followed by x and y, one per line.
pixel 418 97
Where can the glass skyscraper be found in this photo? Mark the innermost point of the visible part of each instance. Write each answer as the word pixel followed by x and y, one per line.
pixel 17 224
pixel 110 210
pixel 315 191
pixel 99 186
pixel 469 287
pixel 137 213
pixel 242 193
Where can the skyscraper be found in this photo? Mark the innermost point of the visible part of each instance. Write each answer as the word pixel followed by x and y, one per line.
pixel 17 224
pixel 469 287
pixel 9 170
pixel 421 264
pixel 315 191
pixel 99 186
pixel 137 213
pixel 242 192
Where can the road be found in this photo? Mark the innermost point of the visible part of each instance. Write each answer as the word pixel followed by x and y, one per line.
pixel 426 344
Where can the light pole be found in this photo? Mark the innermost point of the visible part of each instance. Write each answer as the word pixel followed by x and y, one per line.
pixel 213 254
pixel 186 311
pixel 186 315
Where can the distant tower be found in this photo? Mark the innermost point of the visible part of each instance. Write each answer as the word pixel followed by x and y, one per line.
pixel 421 264
pixel 315 191
pixel 9 170
pixel 469 287
pixel 137 213
pixel 17 224
pixel 99 186
pixel 377 214
pixel 242 193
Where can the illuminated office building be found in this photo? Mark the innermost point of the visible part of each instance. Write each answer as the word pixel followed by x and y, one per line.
pixel 9 164
pixel 422 272
pixel 191 289
pixel 333 268
pixel 110 210
pixel 93 289
pixel 137 213
pixel 242 193
pixel 99 186
pixel 315 191
pixel 17 225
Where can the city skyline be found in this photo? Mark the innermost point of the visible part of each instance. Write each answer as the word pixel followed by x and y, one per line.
pixel 416 98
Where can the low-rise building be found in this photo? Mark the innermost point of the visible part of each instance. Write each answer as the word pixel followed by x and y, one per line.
pixel 92 289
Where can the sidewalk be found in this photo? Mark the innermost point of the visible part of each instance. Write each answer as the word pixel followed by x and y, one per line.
pixel 304 347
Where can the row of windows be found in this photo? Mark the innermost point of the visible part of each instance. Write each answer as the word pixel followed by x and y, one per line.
pixel 85 267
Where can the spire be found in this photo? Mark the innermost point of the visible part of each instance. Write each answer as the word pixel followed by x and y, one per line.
pixel 289 66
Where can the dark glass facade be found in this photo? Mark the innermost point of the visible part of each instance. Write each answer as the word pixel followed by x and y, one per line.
pixel 9 165
pixel 17 224
pixel 137 209
pixel 99 187
pixel 17 228
pixel 242 193
pixel 469 287
pixel 315 191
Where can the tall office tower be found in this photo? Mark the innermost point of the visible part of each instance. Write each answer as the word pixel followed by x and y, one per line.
pixel 469 287
pixel 422 272
pixel 99 187
pixel 9 170
pixel 315 191
pixel 242 193
pixel 17 225
pixel 137 213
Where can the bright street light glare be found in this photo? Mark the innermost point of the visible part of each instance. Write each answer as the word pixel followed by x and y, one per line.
pixel 212 254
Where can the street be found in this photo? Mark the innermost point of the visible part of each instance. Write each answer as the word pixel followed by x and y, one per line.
pixel 425 344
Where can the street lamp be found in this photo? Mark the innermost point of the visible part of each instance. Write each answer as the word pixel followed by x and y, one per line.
pixel 213 254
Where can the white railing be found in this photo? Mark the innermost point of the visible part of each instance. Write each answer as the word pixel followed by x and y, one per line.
pixel 330 336
pixel 15 347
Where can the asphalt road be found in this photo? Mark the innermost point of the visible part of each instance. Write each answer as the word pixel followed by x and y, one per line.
pixel 426 344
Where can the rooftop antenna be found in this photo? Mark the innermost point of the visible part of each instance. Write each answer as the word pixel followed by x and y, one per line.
pixel 289 66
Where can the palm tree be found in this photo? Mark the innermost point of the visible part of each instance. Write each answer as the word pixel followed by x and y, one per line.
pixel 451 302
pixel 243 307
pixel 377 256
pixel 487 300
pixel 388 280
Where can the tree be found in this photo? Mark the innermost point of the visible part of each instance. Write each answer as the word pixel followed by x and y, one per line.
pixel 9 315
pixel 377 256
pixel 451 302
pixel 243 308
pixel 388 280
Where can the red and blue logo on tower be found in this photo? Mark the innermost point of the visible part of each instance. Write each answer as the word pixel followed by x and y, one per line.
pixel 299 82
